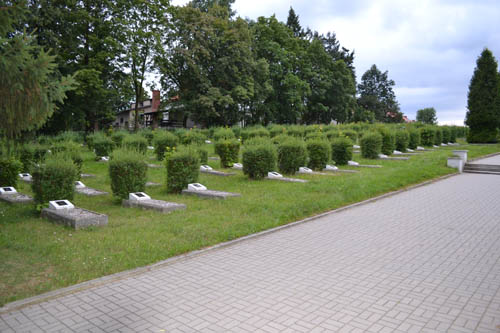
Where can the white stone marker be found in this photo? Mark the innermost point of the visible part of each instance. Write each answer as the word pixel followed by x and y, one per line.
pixel 237 166
pixel 208 141
pixel 26 177
pixel 420 148
pixel 352 163
pixel 79 184
pixel 356 147
pixel 274 174
pixel 444 144
pixel 331 167
pixel 104 158
pixel 305 170
pixel 138 196
pixel 382 156
pixel 435 146
pixel 456 163
pixel 410 150
pixel 60 204
pixel 461 154
pixel 397 152
pixel 7 190
pixel 196 187
pixel 151 148
pixel 205 168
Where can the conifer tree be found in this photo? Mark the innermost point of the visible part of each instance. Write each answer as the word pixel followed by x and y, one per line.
pixel 482 102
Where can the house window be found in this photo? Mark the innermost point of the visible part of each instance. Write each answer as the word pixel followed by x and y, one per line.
pixel 121 120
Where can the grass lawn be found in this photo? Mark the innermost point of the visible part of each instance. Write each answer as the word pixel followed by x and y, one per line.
pixel 38 256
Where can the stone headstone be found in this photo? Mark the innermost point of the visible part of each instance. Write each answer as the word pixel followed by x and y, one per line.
pixel 352 163
pixel 356 147
pixel 274 174
pixel 26 177
pixel 153 166
pixel 410 150
pixel 91 192
pixel 86 175
pixel 330 168
pixel 382 156
pixel 138 196
pixel 238 166
pixel 305 170
pixel 151 148
pixel 420 148
pixel 208 141
pixel 104 159
pixel 79 185
pixel 396 152
pixel 152 184
pixel 9 194
pixel 7 190
pixel 196 187
pixel 444 145
pixel 152 204
pixel 205 168
pixel 435 146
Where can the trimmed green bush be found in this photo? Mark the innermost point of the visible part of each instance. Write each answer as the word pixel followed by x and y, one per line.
pixel 228 151
pixel 483 136
pixel 453 134
pixel 414 139
pixel 148 134
pixel 9 171
pixel 296 131
pixel 69 136
pixel 371 145
pixel 136 142
pixel 319 154
pixel 275 130
pixel 353 135
pixel 292 155
pixel 118 137
pixel 315 136
pixel 427 135
pixel 202 154
pixel 332 134
pixel 103 145
pixel 223 134
pixel 27 157
pixel 279 138
pixel 388 141
pixel 127 171
pixel 341 150
pixel 163 140
pixel 193 137
pixel 54 179
pixel 183 168
pixel 446 134
pixel 438 136
pixel 257 132
pixel 258 160
pixel 402 138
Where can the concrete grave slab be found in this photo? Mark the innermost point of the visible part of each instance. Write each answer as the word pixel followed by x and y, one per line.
pixel 77 218
pixel 87 175
pixel 217 173
pixel 144 201
pixel 210 194
pixel 153 166
pixel 9 194
pixel 91 192
pixel 213 158
pixel 152 184
pixel 26 177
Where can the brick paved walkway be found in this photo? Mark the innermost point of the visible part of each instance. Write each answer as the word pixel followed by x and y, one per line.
pixel 425 260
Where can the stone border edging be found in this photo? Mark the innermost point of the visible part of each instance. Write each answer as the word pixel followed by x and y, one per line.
pixel 20 304
pixel 481 157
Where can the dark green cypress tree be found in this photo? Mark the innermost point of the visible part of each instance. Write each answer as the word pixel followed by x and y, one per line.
pixel 293 23
pixel 482 103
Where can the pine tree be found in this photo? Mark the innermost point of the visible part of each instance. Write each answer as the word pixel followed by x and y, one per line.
pixel 482 102
pixel 293 23
pixel 30 88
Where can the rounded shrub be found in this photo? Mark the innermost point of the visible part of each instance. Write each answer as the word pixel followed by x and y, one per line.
pixel 27 157
pixel 315 136
pixel 342 150
pixel 388 141
pixel 296 130
pixel 148 134
pixel 371 145
pixel 353 135
pixel 427 135
pixel 279 138
pixel 332 134
pixel 67 136
pixel 414 139
pixel 118 137
pixel 162 141
pixel 258 132
pixel 183 168
pixel 292 155
pixel 319 154
pixel 54 179
pixel 202 154
pixel 258 160
pixel 223 134
pixel 275 130
pixel 402 139
pixel 438 136
pixel 193 137
pixel 127 170
pixel 228 151
pixel 136 142
pixel 103 145
pixel 453 134
pixel 9 170
pixel 446 134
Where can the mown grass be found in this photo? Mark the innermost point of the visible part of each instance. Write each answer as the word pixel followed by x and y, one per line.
pixel 39 256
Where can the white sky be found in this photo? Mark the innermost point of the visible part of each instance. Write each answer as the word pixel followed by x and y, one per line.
pixel 429 47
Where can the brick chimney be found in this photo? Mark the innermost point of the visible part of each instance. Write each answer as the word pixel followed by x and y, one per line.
pixel 156 101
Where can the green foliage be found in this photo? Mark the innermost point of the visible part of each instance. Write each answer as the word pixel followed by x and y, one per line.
pixel 438 136
pixel 483 103
pixel 453 134
pixel 296 131
pixel 427 136
pixel 148 134
pixel 67 136
pixel 371 145
pixel 258 160
pixel 183 168
pixel 319 154
pixel 193 137
pixel 31 154
pixel 353 135
pixel 223 134
pixel 257 132
pixel 118 137
pixel 332 134
pixel 202 154
pixel 163 140
pixel 54 179
pixel 279 138
pixel 446 134
pixel 136 142
pixel 427 116
pixel 228 151
pixel 292 155
pixel 103 145
pixel 128 172
pixel 402 139
pixel 9 170
pixel 414 139
pixel 341 150
pixel 315 136
pixel 276 130
pixel 388 141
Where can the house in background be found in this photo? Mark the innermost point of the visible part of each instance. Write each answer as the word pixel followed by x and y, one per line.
pixel 172 115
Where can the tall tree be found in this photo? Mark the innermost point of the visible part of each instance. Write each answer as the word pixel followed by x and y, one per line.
pixel 142 25
pixel 427 116
pixel 482 102
pixel 205 5
pixel 293 23
pixel 30 87
pixel 376 95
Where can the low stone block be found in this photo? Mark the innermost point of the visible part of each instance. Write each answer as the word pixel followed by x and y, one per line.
pixel 91 192
pixel 368 166
pixel 286 179
pixel 153 166
pixel 462 154
pixel 217 173
pixel 158 205
pixel 393 158
pixel 152 184
pixel 87 175
pixel 213 158
pixel 16 198
pixel 76 218
pixel 456 163
pixel 210 194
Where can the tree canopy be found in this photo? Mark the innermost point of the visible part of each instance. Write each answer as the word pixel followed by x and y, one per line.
pixel 427 116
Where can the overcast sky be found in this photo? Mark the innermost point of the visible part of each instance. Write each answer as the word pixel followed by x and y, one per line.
pixel 429 47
